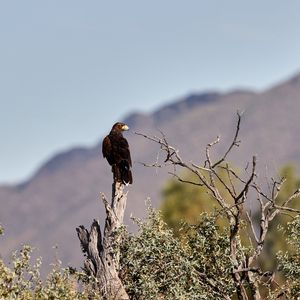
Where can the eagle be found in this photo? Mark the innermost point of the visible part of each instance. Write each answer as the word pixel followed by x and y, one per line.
pixel 115 149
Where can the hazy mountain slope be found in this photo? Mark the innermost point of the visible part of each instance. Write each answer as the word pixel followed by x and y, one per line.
pixel 65 191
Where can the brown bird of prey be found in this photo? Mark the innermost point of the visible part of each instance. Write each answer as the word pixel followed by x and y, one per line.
pixel 115 149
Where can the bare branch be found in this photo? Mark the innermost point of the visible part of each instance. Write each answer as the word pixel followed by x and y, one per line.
pixel 235 142
pixel 287 209
pixel 230 179
pixel 201 168
pixel 296 194
pixel 252 227
pixel 246 187
pixel 155 165
pixel 208 160
pixel 185 181
pixel 231 171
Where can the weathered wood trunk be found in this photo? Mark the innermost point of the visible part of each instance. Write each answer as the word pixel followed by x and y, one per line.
pixel 102 253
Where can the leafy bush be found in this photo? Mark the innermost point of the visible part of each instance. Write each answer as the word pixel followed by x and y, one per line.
pixel 22 281
pixel 289 263
pixel 157 265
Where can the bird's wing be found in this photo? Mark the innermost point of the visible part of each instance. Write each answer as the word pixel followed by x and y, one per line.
pixel 106 147
pixel 124 149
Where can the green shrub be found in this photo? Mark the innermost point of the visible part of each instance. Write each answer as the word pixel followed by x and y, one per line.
pixel 289 263
pixel 22 281
pixel 157 265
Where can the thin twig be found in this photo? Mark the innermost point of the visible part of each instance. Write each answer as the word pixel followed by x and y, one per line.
pixel 235 142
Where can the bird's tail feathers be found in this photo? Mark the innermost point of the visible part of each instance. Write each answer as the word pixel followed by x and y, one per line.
pixel 125 172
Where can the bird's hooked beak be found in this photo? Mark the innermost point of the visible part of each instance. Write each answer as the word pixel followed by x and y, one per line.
pixel 125 127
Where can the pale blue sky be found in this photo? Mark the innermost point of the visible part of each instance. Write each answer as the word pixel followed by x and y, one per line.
pixel 69 69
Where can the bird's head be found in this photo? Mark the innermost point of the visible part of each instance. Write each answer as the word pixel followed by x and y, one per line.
pixel 120 127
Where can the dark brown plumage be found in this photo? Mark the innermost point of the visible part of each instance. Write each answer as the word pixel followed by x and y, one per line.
pixel 115 149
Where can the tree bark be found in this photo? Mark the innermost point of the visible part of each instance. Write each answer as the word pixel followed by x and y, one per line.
pixel 103 253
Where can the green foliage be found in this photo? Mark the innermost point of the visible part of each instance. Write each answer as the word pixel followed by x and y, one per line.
pixel 22 281
pixel 183 202
pixel 289 263
pixel 156 265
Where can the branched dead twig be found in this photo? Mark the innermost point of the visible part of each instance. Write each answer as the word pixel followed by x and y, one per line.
pixel 235 142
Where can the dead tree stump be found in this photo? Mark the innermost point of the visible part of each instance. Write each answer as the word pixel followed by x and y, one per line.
pixel 103 253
